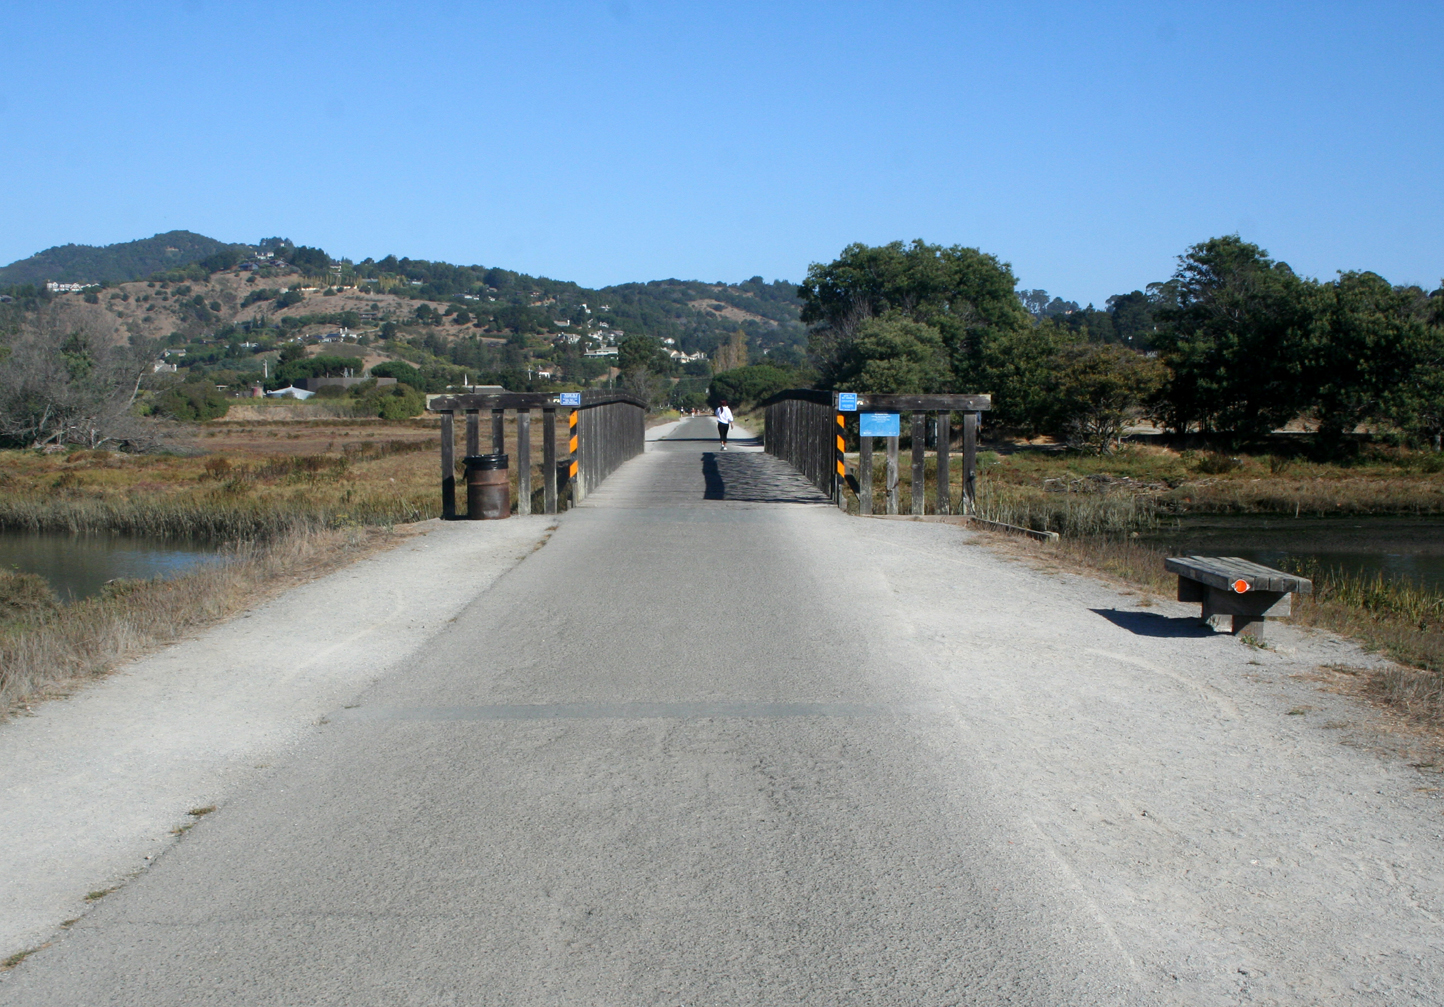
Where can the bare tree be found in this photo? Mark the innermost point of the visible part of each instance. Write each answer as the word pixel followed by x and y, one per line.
pixel 62 384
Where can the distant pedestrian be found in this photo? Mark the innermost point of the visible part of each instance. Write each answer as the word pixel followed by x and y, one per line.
pixel 724 422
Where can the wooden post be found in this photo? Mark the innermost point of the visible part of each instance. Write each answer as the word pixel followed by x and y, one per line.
pixel 970 462
pixel 498 431
pixel 523 462
pixel 945 475
pixel 448 468
pixel 549 459
pixel 892 475
pixel 920 447
pixel 473 432
pixel 864 474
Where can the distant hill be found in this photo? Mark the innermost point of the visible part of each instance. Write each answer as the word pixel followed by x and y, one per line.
pixel 119 263
pixel 695 316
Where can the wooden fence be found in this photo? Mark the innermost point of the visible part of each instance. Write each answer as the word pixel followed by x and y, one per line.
pixel 605 430
pixel 806 428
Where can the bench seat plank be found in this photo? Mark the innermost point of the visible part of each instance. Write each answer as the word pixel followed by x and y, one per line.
pixel 1222 571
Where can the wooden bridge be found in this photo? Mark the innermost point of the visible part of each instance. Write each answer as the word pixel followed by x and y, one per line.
pixel 808 428
pixel 604 430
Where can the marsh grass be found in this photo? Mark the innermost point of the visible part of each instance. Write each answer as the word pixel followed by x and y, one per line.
pixel 1392 615
pixel 1378 481
pixel 48 652
pixel 1068 513
pixel 218 497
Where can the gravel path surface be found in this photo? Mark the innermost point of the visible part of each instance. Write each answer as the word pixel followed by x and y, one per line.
pixel 709 748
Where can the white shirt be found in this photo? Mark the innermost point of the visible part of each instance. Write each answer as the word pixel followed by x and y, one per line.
pixel 724 415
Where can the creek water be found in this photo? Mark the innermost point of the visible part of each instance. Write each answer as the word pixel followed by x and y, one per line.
pixel 77 566
pixel 1397 547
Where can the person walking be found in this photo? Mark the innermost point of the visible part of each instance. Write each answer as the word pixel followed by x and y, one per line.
pixel 724 422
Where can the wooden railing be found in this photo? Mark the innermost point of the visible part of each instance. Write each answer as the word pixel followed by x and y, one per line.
pixel 605 430
pixel 799 430
pixel 808 429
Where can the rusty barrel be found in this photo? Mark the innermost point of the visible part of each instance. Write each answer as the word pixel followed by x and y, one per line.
pixel 488 494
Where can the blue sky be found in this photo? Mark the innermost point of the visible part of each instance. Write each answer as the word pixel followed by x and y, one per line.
pixel 1086 144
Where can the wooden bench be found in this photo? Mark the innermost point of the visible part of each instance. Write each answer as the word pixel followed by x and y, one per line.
pixel 1228 585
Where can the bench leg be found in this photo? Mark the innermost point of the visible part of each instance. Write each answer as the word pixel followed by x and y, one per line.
pixel 1249 625
pixel 1191 590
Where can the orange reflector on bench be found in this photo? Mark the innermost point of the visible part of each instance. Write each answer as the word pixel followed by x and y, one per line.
pixel 1240 586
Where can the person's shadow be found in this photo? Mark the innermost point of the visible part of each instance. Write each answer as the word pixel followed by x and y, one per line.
pixel 1153 624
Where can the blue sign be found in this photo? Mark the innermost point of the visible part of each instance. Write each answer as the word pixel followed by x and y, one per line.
pixel 847 402
pixel 879 424
pixel 570 398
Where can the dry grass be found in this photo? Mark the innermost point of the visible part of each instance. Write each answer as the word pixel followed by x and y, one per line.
pixel 1381 481
pixel 1419 695
pixel 1395 617
pixel 50 653
pixel 225 497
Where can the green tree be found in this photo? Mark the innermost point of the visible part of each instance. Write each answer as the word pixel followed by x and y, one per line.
pixel 642 353
pixel 225 259
pixel 322 365
pixel 1133 318
pixel 967 295
pixel 894 355
pixel 744 386
pixel 1416 404
pixel 1366 338
pixel 402 372
pixel 311 261
pixel 1016 367
pixel 1236 338
pixel 1097 389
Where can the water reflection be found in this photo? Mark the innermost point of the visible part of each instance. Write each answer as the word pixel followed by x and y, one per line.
pixel 77 566
pixel 1412 548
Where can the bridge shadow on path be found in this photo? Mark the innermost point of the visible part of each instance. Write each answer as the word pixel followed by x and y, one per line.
pixel 1152 624
pixel 752 477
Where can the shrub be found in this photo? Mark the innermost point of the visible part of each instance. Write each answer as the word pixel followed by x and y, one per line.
pixel 402 372
pixel 394 402
pixel 192 402
pixel 25 595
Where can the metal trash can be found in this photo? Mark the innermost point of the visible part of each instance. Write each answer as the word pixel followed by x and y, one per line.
pixel 488 492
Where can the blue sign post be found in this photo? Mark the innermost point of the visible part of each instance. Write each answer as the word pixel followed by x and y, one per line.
pixel 847 402
pixel 879 424
pixel 569 398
